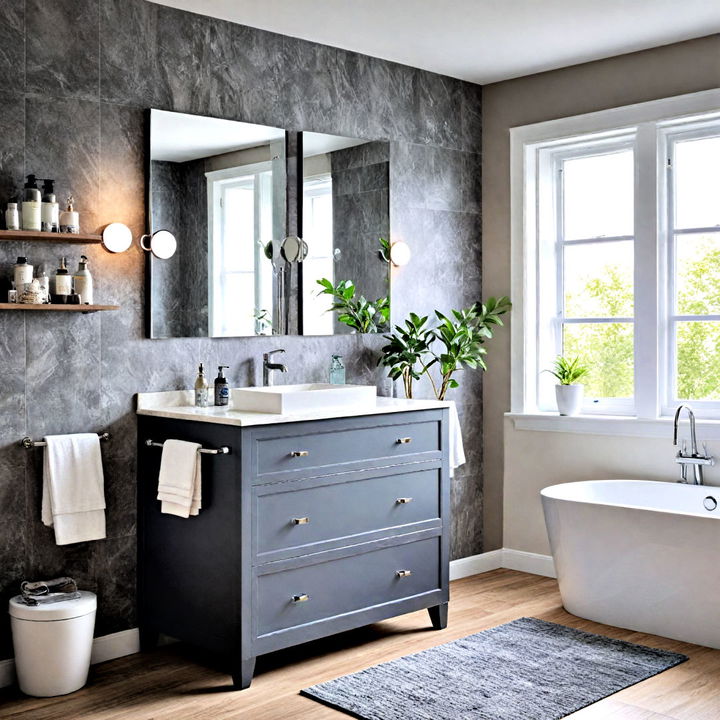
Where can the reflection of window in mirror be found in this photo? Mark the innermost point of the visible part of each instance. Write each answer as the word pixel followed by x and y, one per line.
pixel 318 230
pixel 240 207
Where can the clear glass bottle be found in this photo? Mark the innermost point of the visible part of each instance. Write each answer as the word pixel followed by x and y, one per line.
pixel 337 370
pixel 201 389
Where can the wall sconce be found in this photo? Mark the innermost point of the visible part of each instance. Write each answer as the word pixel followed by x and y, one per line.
pixel 400 253
pixel 162 244
pixel 116 237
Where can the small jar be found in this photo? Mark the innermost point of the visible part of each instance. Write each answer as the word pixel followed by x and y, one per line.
pixel 337 370
pixel 12 217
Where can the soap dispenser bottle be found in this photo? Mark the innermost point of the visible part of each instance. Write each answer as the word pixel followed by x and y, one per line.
pixel 50 210
pixel 201 389
pixel 63 280
pixel 70 218
pixel 83 282
pixel 31 205
pixel 222 389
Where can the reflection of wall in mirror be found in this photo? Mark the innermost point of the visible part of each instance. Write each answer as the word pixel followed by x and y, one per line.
pixel 345 212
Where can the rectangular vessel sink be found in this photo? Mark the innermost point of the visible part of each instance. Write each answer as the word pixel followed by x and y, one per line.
pixel 307 397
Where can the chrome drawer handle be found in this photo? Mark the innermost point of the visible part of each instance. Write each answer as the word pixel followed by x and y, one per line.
pixel 301 521
pixel 299 453
pixel 300 598
pixel 404 573
pixel 403 441
pixel 403 501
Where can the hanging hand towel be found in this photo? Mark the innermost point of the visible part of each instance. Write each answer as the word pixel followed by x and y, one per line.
pixel 179 484
pixel 73 501
pixel 456 450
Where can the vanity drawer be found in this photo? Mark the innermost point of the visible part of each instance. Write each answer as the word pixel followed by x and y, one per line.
pixel 309 512
pixel 323 590
pixel 328 447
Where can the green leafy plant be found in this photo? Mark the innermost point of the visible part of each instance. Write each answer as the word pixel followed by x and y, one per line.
pixel 405 351
pixel 358 313
pixel 568 371
pixel 384 250
pixel 411 351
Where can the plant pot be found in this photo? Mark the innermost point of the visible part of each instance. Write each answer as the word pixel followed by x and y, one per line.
pixel 569 399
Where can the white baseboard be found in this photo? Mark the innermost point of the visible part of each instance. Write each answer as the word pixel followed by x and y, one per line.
pixel 475 564
pixel 529 562
pixel 504 558
pixel 105 647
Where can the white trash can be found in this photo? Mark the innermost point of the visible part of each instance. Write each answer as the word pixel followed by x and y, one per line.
pixel 53 642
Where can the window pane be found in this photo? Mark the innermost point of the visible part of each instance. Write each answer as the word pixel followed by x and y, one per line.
pixel 697 178
pixel 698 360
pixel 697 273
pixel 598 196
pixel 598 280
pixel 239 227
pixel 236 314
pixel 607 348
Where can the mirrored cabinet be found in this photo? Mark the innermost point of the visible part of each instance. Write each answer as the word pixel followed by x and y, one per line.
pixel 277 233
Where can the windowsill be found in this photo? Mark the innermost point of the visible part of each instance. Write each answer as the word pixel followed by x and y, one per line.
pixel 616 425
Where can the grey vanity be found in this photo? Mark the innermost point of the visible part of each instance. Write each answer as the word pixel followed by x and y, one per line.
pixel 307 528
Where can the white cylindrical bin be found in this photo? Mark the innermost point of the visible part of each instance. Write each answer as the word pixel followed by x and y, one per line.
pixel 53 642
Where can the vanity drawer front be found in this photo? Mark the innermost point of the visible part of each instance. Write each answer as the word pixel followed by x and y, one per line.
pixel 329 447
pixel 310 512
pixel 323 590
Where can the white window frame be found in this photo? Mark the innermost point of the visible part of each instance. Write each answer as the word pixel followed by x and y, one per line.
pixel 650 125
pixel 217 182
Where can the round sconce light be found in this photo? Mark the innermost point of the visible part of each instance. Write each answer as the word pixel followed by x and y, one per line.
pixel 162 244
pixel 116 237
pixel 400 253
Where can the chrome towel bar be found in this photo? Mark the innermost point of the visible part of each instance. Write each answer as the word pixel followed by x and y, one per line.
pixel 224 450
pixel 28 443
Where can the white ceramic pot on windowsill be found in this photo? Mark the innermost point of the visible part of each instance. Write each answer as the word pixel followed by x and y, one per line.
pixel 569 399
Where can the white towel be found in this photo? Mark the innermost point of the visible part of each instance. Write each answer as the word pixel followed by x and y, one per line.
pixel 73 499
pixel 456 449
pixel 179 484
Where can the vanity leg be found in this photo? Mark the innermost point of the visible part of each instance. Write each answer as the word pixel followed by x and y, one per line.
pixel 242 673
pixel 438 616
pixel 148 638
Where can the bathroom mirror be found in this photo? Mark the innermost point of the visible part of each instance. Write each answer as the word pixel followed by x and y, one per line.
pixel 345 214
pixel 219 187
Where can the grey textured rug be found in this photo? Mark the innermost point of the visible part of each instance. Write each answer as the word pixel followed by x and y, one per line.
pixel 528 669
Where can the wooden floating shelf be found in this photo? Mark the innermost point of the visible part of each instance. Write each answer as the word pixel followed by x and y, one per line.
pixel 84 238
pixel 60 308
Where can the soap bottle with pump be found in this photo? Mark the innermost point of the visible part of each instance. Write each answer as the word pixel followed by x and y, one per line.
pixel 31 205
pixel 222 388
pixel 201 389
pixel 83 282
pixel 63 281
pixel 50 210
pixel 70 218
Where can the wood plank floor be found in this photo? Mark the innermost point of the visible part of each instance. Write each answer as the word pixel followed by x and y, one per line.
pixel 175 683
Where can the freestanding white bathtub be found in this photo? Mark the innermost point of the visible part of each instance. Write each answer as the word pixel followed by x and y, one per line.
pixel 639 555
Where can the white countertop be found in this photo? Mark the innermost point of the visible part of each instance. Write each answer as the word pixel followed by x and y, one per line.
pixel 178 405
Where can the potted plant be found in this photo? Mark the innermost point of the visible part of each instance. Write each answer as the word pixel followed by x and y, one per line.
pixel 568 392
pixel 454 344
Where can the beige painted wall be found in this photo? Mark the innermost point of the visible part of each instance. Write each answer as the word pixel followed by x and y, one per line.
pixel 649 75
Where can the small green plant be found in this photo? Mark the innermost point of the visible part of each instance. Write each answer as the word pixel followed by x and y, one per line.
pixel 568 371
pixel 411 353
pixel 358 313
pixel 405 351
pixel 384 250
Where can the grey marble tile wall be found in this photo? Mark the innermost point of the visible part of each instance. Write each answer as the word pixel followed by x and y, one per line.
pixel 361 215
pixel 75 79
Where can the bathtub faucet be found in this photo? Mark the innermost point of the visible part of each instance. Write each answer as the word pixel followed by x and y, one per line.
pixel 694 458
